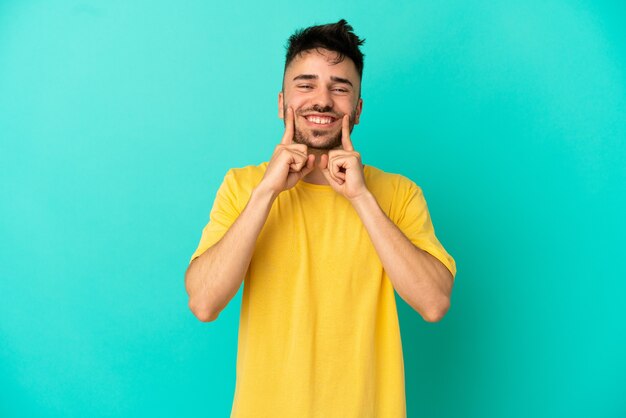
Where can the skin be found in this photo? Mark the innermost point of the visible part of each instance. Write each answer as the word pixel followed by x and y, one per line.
pixel 335 91
pixel 321 155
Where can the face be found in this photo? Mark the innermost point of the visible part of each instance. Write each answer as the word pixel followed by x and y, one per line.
pixel 320 91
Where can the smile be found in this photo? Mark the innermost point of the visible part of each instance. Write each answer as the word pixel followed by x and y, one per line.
pixel 320 120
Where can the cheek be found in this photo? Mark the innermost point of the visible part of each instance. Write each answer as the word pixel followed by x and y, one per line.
pixel 296 104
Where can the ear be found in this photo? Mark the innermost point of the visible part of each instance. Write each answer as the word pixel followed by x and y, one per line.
pixel 280 105
pixel 359 108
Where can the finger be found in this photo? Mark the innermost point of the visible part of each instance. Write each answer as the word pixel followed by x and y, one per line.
pixel 346 160
pixel 289 155
pixel 293 151
pixel 299 148
pixel 324 168
pixel 338 170
pixel 297 162
pixel 289 128
pixel 334 169
pixel 346 142
pixel 340 163
pixel 323 161
pixel 310 165
pixel 298 165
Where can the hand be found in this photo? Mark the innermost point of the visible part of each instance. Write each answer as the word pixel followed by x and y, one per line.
pixel 342 167
pixel 290 161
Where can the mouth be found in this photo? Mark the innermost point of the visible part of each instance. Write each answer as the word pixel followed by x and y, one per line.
pixel 320 121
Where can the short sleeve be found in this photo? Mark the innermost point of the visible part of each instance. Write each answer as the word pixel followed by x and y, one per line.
pixel 223 214
pixel 416 224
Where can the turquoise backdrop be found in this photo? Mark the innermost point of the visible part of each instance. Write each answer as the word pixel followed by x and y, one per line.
pixel 118 120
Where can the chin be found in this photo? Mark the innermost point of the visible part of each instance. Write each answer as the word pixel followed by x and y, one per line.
pixel 319 140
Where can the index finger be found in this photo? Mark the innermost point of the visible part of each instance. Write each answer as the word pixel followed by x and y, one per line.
pixel 345 134
pixel 289 128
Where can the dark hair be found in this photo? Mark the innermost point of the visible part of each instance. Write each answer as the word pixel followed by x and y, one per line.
pixel 338 37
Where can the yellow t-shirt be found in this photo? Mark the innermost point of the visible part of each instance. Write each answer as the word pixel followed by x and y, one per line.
pixel 318 332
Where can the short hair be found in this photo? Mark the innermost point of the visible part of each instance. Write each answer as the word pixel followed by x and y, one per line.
pixel 337 37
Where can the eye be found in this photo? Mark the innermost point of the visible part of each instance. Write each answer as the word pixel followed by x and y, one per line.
pixel 305 86
pixel 341 90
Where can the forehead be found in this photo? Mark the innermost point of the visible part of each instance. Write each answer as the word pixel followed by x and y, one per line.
pixel 322 62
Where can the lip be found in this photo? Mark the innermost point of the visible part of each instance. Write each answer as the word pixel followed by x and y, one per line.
pixel 317 125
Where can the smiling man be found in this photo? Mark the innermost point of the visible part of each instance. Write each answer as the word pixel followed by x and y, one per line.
pixel 320 242
pixel 307 75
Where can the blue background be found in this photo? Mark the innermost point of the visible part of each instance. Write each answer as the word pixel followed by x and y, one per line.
pixel 119 119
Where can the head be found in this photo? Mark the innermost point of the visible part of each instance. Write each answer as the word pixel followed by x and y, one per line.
pixel 322 82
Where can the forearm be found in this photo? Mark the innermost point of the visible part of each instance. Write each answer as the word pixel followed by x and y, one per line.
pixel 418 277
pixel 213 278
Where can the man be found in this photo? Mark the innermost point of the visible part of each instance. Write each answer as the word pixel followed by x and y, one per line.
pixel 320 241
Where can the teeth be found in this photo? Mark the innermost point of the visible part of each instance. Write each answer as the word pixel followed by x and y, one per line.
pixel 319 120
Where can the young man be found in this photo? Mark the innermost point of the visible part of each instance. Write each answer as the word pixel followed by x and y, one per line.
pixel 320 241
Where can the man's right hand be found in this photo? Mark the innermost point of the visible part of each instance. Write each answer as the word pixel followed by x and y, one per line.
pixel 290 161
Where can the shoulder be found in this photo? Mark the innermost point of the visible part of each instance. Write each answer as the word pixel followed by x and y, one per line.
pixel 245 177
pixel 239 182
pixel 393 191
pixel 385 182
pixel 249 171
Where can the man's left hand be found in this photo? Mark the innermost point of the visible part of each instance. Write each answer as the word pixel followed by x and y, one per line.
pixel 343 168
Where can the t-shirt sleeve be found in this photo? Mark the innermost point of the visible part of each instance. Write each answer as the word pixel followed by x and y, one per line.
pixel 223 214
pixel 416 224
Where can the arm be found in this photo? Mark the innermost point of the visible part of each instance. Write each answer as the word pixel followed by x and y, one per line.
pixel 419 278
pixel 213 278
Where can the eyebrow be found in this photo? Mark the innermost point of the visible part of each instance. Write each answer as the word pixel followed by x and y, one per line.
pixel 315 77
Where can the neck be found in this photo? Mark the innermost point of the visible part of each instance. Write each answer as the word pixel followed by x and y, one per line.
pixel 316 176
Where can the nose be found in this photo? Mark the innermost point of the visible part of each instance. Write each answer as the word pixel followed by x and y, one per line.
pixel 323 100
